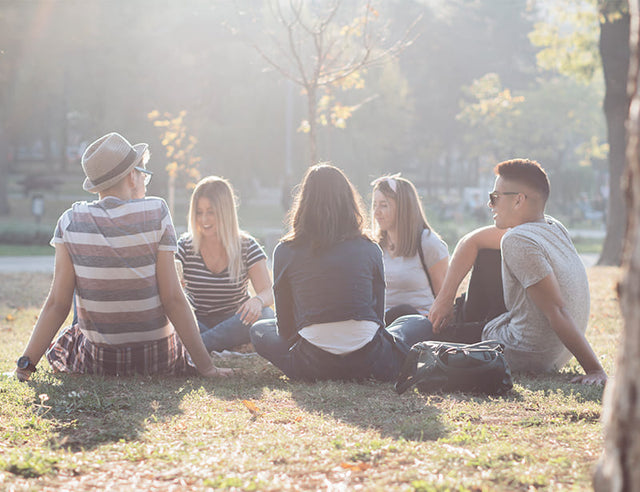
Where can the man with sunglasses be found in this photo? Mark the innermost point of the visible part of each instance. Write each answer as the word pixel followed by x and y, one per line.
pixel 544 283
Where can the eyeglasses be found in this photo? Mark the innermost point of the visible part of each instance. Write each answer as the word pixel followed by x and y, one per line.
pixel 493 196
pixel 390 180
pixel 147 174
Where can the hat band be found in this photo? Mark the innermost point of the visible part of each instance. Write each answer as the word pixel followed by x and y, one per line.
pixel 119 169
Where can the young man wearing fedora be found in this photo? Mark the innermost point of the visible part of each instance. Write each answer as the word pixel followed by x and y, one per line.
pixel 544 283
pixel 117 254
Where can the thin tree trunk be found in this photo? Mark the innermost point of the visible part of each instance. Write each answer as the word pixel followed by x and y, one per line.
pixel 8 76
pixel 313 136
pixel 171 189
pixel 64 121
pixel 5 208
pixel 618 469
pixel 614 50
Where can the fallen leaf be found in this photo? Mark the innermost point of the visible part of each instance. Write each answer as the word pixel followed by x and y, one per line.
pixel 253 409
pixel 360 466
pixel 10 317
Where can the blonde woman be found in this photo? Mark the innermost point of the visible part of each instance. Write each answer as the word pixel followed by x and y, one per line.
pixel 401 229
pixel 218 261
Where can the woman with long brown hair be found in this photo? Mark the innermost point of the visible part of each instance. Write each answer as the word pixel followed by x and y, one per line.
pixel 329 291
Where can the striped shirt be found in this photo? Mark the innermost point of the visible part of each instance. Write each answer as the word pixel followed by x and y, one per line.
pixel 114 246
pixel 216 293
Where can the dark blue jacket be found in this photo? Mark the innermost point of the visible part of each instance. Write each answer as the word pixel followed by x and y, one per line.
pixel 345 281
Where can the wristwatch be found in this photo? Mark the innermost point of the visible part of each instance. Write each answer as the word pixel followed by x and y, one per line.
pixel 25 363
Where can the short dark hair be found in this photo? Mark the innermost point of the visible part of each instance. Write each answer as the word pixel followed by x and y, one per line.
pixel 527 172
pixel 327 209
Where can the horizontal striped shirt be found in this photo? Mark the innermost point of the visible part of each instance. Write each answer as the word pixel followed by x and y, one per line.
pixel 216 293
pixel 114 247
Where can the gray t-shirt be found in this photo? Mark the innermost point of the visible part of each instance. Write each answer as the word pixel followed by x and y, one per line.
pixel 530 252
pixel 406 282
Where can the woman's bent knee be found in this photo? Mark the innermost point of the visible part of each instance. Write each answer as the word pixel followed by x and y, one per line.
pixel 260 329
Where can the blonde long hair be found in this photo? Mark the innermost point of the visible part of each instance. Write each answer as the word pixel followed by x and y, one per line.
pixel 220 193
pixel 410 217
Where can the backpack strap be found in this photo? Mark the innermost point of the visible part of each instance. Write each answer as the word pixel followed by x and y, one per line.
pixel 406 378
pixel 418 362
pixel 424 265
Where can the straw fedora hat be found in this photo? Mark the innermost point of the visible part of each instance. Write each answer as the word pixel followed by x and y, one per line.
pixel 109 159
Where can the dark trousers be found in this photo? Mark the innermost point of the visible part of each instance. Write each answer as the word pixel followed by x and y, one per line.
pixel 380 359
pixel 483 301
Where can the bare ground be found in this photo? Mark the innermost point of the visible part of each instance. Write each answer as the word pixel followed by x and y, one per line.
pixel 24 290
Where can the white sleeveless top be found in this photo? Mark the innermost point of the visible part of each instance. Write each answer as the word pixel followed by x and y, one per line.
pixel 340 337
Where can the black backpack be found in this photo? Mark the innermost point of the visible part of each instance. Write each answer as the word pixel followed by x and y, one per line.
pixel 444 366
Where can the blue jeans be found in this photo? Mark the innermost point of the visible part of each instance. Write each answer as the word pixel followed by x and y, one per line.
pixel 395 312
pixel 227 331
pixel 379 359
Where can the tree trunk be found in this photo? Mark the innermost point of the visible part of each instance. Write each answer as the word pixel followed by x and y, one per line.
pixel 618 469
pixel 614 50
pixel 171 190
pixel 64 120
pixel 5 208
pixel 312 109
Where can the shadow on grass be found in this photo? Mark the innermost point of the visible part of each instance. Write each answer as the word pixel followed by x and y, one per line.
pixel 412 416
pixel 556 383
pixel 367 405
pixel 373 405
pixel 88 411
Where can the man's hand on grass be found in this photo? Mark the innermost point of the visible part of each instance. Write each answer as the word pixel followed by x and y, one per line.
pixel 596 377
pixel 22 374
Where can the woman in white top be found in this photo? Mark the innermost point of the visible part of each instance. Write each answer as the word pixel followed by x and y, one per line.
pixel 218 261
pixel 401 229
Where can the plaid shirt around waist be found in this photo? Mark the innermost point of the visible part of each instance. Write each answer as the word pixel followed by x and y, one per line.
pixel 73 352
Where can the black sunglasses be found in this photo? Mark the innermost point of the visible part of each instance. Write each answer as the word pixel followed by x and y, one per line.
pixel 146 172
pixel 493 196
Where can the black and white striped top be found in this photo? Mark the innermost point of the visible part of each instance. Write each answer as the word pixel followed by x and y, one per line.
pixel 216 293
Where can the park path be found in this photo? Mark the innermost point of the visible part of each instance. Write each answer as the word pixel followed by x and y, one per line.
pixel 18 264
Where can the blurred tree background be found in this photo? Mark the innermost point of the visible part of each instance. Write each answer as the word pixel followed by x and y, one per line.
pixel 464 86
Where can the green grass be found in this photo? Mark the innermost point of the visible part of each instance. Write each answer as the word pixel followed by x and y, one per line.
pixel 69 432
pixel 588 245
pixel 26 250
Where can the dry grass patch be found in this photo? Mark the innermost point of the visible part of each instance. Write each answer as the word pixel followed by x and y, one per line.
pixel 260 431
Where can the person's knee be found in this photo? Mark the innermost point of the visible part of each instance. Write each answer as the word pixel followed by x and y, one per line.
pixel 418 323
pixel 412 320
pixel 267 313
pixel 399 311
pixel 259 329
pixel 413 328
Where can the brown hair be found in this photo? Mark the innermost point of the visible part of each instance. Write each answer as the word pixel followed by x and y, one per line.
pixel 527 172
pixel 327 209
pixel 410 217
